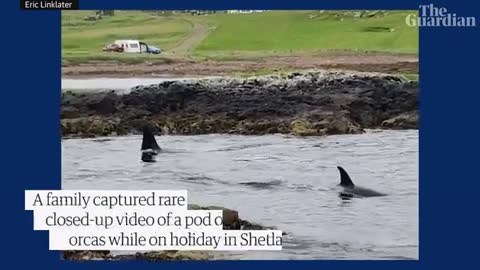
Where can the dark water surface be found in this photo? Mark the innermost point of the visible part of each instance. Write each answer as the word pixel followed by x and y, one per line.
pixel 292 185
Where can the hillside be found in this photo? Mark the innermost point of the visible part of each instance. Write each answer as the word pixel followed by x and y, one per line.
pixel 83 40
pixel 244 43
pixel 309 32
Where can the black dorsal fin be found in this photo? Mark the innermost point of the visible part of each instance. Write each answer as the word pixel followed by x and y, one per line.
pixel 149 141
pixel 345 180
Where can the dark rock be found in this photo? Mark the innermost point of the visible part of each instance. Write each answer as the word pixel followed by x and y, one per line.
pixel 86 255
pixel 155 256
pixel 89 126
pixel 403 121
pixel 152 256
pixel 231 221
pixel 104 104
pixel 69 112
pixel 304 104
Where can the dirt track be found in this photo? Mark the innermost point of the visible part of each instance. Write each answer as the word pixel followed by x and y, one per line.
pixel 199 32
pixel 385 63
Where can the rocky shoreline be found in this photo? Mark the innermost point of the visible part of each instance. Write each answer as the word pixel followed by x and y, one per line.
pixel 310 103
pixel 244 64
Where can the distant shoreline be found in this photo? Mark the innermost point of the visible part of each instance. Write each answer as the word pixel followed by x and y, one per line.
pixel 253 66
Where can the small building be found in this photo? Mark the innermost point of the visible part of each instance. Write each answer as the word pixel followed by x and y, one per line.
pixel 244 11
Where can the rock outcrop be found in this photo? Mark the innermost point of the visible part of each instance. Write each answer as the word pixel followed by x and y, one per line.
pixel 152 256
pixel 405 120
pixel 304 104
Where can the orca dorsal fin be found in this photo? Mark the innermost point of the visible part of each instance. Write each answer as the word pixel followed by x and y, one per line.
pixel 345 180
pixel 148 141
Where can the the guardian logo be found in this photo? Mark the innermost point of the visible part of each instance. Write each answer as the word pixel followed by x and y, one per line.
pixel 431 16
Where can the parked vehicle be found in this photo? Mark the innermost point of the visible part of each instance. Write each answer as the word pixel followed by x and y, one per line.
pixel 112 48
pixel 131 46
pixel 153 49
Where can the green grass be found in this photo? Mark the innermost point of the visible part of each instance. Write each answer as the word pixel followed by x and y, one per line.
pixel 79 58
pixel 411 77
pixel 276 32
pixel 83 40
pixel 239 36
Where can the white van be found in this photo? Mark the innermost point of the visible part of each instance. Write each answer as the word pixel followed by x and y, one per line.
pixel 135 46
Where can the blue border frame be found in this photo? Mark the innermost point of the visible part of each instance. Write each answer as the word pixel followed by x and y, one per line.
pixel 31 151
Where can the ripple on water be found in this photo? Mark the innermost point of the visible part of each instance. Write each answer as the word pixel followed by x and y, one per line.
pixel 276 180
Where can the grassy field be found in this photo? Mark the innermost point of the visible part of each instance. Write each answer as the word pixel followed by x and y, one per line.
pixel 309 32
pixel 239 35
pixel 83 40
